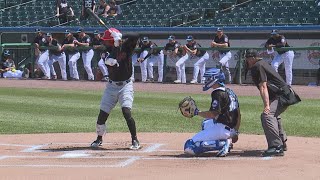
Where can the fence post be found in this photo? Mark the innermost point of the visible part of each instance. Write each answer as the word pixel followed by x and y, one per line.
pixel 32 49
pixel 164 68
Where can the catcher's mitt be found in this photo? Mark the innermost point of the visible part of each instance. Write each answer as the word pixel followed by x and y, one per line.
pixel 188 107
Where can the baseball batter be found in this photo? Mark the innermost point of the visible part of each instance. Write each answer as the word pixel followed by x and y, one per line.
pixel 222 41
pixel 222 121
pixel 120 87
pixel 87 54
pixel 276 40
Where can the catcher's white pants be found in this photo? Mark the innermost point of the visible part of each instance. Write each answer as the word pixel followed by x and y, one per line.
pixel 287 58
pixel 224 61
pixel 43 63
pixel 181 68
pixel 156 59
pixel 73 58
pixel 87 58
pixel 103 68
pixel 212 131
pixel 62 63
pixel 10 74
pixel 200 65
pixel 143 66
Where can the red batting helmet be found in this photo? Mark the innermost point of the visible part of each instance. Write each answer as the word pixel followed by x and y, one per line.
pixel 107 34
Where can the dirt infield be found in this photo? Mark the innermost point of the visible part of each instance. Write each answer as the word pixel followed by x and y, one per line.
pixel 67 156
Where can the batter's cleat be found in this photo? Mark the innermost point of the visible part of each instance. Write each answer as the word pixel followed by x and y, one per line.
pixel 193 81
pixel 273 151
pixel 225 150
pixel 96 143
pixel 135 145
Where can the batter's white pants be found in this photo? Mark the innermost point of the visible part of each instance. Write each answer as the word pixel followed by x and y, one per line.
pixel 224 61
pixel 287 58
pixel 181 68
pixel 200 65
pixel 103 68
pixel 87 58
pixel 73 58
pixel 212 131
pixel 62 63
pixel 156 59
pixel 143 66
pixel 43 63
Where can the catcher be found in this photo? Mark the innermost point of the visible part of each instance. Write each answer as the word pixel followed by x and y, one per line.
pixel 222 121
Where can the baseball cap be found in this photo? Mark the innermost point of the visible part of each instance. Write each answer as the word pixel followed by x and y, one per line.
pixel 80 30
pixel 219 29
pixel 251 53
pixel 171 37
pixel 6 52
pixel 67 31
pixel 274 32
pixel 145 39
pixel 189 38
pixel 48 34
pixel 37 30
pixel 96 32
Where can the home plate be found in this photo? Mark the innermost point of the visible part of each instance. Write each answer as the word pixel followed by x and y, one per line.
pixel 74 155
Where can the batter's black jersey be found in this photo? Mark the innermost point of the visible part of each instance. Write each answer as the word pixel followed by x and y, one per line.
pixel 225 102
pixel 88 4
pixel 223 39
pixel 278 41
pixel 261 71
pixel 70 41
pixel 123 55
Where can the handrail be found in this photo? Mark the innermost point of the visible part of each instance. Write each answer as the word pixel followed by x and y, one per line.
pixel 187 12
pixel 17 5
pixel 188 22
pixel 127 2
pixel 58 25
pixel 38 21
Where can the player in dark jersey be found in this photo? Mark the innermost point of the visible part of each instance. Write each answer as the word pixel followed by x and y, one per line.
pixel 69 47
pixel 222 119
pixel 120 87
pixel 37 52
pixel 56 54
pixel 64 11
pixel 277 41
pixel 44 57
pixel 173 48
pixel 98 47
pixel 90 4
pixel 222 41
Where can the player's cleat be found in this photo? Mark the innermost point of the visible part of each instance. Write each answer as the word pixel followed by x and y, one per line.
pixel 96 143
pixel 225 150
pixel 45 77
pixel 135 145
pixel 105 79
pixel 193 81
pixel 177 81
pixel 54 77
pixel 273 151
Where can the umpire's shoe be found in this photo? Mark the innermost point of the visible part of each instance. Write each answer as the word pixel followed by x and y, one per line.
pixel 135 145
pixel 96 143
pixel 273 151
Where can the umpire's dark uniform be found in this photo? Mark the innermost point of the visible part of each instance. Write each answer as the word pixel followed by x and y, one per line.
pixel 280 97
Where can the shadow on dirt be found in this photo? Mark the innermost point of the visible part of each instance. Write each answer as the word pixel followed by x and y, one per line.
pixel 245 153
pixel 70 148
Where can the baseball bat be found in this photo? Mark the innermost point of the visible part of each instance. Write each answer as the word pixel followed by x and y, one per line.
pixel 89 11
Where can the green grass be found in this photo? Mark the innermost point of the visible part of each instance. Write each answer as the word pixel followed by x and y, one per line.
pixel 61 111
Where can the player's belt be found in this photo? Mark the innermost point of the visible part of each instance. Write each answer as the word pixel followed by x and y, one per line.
pixel 119 83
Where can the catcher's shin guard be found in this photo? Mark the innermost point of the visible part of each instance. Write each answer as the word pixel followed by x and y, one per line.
pixel 196 148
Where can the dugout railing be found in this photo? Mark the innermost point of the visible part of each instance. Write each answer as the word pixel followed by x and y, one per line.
pixel 24 56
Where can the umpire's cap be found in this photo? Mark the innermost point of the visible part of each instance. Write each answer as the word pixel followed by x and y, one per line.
pixel 145 39
pixel 6 52
pixel 96 32
pixel 171 37
pixel 274 32
pixel 189 38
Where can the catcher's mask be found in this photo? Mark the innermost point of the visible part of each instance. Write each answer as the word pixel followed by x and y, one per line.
pixel 213 76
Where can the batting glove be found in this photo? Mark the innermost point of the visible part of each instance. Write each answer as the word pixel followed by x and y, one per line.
pixel 117 37
pixel 111 62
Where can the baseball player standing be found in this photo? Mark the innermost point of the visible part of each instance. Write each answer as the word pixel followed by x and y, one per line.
pixel 222 121
pixel 87 54
pixel 274 93
pixel 55 55
pixel 120 87
pixel 69 47
pixel 153 56
pixel 97 46
pixel 44 58
pixel 37 42
pixel 145 47
pixel 200 65
pixel 277 41
pixel 222 41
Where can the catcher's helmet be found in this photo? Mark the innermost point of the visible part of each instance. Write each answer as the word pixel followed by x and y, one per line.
pixel 213 76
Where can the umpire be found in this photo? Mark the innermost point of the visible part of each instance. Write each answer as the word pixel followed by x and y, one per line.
pixel 276 96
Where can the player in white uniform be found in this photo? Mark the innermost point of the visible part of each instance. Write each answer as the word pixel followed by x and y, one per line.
pixel 222 121
pixel 69 47
pixel 277 41
pixel 56 55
